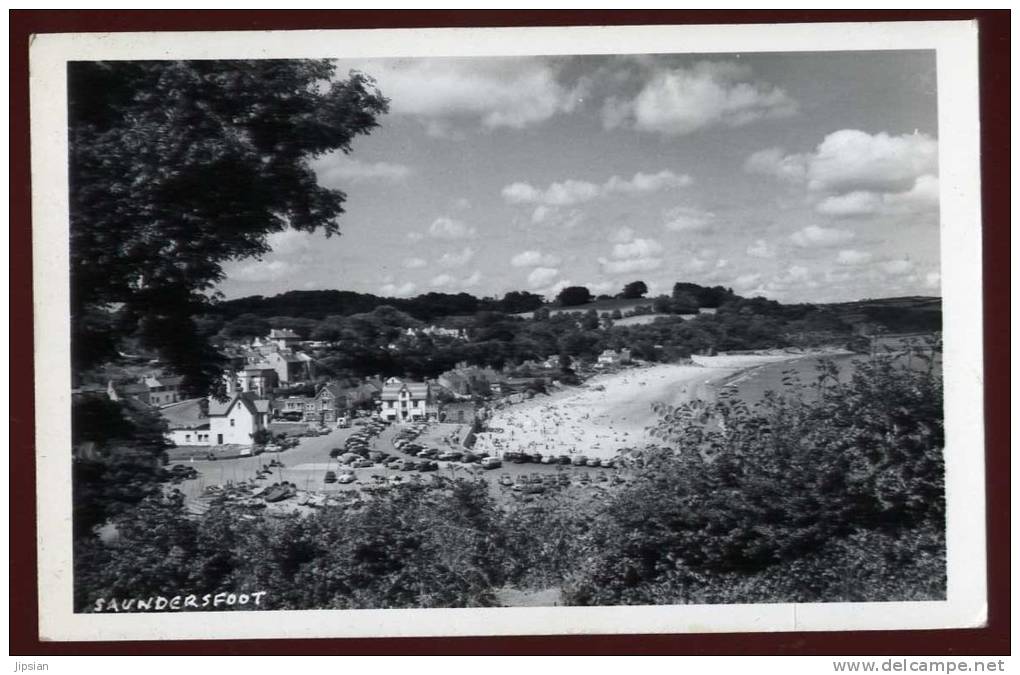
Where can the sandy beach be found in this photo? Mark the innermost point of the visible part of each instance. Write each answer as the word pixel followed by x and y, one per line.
pixel 612 411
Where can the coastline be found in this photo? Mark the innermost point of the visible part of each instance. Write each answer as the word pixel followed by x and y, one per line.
pixel 613 411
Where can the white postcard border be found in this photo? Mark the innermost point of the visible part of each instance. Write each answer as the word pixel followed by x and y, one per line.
pixel 956 47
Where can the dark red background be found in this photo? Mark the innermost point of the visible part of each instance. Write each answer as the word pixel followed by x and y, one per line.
pixel 994 28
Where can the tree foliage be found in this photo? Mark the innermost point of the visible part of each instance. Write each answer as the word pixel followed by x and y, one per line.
pixel 177 167
pixel 634 290
pixel 800 497
pixel 571 296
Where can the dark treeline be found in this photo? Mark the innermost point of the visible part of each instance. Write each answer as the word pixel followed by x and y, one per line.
pixel 426 307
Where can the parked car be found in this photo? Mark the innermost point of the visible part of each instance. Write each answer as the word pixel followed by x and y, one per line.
pixel 594 461
pixel 491 463
pixel 535 457
pixel 409 465
pixel 549 459
pixel 579 460
pixel 362 464
pixel 346 477
pixel 330 477
pixel 563 459
pixel 428 465
pixel 450 456
pixel 505 480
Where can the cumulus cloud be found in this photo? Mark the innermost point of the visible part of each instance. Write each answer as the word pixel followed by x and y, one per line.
pixel 289 241
pixel 450 229
pixel 814 236
pixel 534 259
pixel 638 255
pixel 414 263
pixel 337 169
pixel 542 276
pixel 897 267
pixel 637 248
pixel 470 281
pixel 258 270
pixel 490 92
pixel 442 280
pixel 746 281
pixel 679 101
pixel 922 197
pixel 761 249
pixel 851 257
pixel 850 160
pixel 773 162
pixel 647 182
pixel 688 219
pixel 551 216
pixel 933 280
pixel 600 287
pixel 398 291
pixel 571 192
pixel 457 258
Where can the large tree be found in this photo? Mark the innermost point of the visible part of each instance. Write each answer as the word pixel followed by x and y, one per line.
pixel 571 296
pixel 177 167
pixel 634 290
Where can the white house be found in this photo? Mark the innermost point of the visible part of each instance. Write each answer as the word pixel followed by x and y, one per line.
pixel 611 357
pixel 235 421
pixel 407 401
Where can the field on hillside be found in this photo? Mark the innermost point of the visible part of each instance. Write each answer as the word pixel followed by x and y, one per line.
pixel 600 306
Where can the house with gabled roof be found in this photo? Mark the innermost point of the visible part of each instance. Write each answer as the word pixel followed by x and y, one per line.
pixel 327 406
pixel 235 421
pixel 407 401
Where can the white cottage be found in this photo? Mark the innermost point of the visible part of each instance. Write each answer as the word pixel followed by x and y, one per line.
pixel 235 421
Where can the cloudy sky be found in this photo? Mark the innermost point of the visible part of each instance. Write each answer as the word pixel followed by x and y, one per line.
pixel 799 177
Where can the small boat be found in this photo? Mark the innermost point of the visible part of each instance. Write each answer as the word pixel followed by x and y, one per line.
pixel 276 493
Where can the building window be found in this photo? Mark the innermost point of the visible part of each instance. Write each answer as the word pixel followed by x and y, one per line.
pixel 231 422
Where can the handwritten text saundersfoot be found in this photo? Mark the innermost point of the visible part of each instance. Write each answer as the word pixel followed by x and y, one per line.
pixel 178 603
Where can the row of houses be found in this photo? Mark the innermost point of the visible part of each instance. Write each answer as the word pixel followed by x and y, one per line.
pixel 212 422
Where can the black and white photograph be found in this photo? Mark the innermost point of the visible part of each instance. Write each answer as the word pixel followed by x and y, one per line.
pixel 523 332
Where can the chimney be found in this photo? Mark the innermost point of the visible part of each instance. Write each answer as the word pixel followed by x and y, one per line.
pixel 231 379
